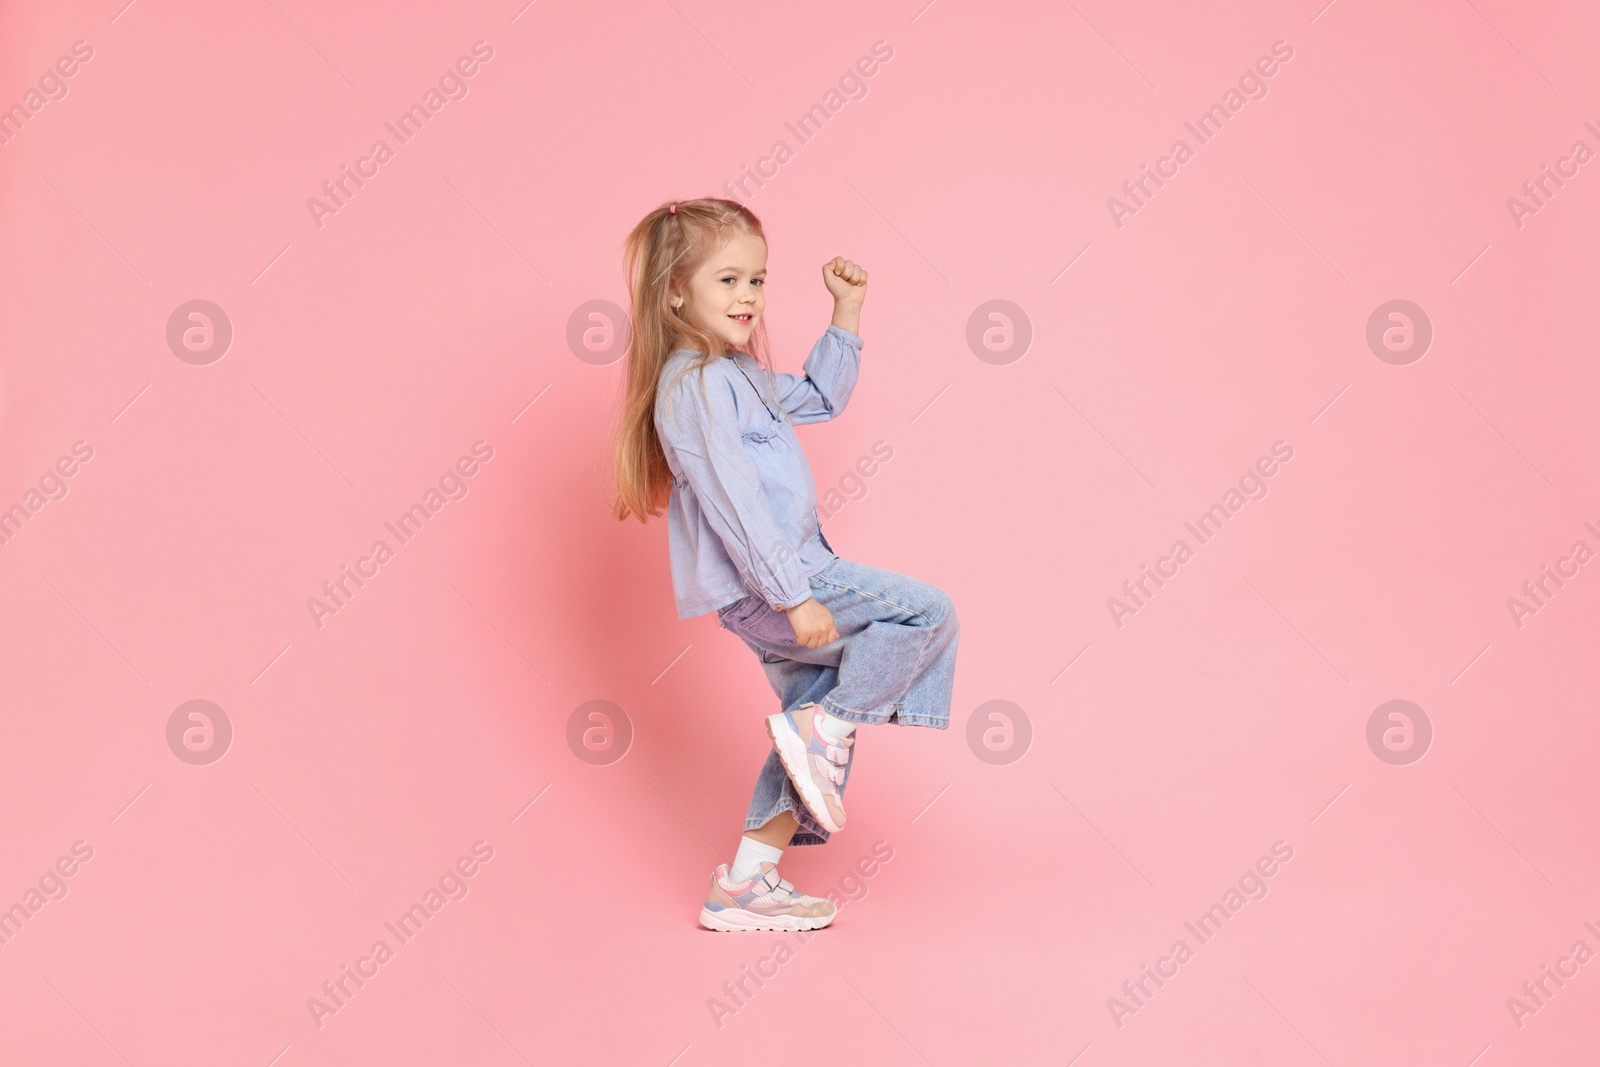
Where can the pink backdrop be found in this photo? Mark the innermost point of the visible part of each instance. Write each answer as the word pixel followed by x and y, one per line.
pixel 1043 852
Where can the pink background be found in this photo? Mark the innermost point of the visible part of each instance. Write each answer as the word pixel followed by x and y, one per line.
pixel 1228 714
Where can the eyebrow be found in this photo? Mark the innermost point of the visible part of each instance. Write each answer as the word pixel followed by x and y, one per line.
pixel 724 270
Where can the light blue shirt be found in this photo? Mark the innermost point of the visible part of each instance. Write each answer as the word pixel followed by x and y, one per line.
pixel 742 517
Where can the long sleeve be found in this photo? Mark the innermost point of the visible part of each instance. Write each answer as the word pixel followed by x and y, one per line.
pixel 702 428
pixel 830 377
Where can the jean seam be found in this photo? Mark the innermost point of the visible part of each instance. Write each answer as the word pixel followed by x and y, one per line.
pixel 913 612
pixel 833 707
pixel 896 713
pixel 922 654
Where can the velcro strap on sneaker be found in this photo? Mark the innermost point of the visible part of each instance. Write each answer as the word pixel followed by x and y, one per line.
pixel 827 772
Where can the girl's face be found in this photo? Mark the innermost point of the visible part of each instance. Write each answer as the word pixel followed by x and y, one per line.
pixel 725 296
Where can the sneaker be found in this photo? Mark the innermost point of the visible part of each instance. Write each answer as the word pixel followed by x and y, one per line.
pixel 764 902
pixel 814 761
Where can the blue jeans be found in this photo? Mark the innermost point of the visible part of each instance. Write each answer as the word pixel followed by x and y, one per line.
pixel 894 662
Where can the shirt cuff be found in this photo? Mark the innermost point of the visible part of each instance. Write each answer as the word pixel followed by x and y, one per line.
pixel 846 334
pixel 779 605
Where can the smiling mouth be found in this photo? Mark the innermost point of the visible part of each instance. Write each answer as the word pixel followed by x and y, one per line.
pixel 740 318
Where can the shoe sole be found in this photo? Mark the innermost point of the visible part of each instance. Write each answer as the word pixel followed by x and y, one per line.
pixel 792 753
pixel 731 920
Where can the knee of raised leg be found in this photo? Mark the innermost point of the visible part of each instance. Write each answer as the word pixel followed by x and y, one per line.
pixel 942 611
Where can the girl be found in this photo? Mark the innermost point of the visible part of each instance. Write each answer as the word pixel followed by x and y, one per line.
pixel 708 425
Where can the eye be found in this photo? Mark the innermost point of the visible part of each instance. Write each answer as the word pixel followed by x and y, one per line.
pixel 758 281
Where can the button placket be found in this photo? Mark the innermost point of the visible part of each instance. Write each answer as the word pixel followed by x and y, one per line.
pixel 759 395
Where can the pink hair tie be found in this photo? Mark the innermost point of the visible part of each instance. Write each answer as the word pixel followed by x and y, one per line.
pixel 673 210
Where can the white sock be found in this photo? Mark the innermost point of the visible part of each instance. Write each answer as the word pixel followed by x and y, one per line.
pixel 836 727
pixel 747 861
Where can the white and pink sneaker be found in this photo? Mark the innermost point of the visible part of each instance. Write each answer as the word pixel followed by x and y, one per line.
pixel 815 761
pixel 765 902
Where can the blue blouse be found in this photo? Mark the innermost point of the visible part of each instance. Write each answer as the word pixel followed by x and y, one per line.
pixel 742 517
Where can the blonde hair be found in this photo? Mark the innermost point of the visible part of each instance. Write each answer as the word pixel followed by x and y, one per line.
pixel 662 253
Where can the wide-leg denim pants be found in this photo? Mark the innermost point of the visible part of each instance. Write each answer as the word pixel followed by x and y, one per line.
pixel 894 662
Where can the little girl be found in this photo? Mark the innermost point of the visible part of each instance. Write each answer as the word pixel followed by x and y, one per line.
pixel 708 425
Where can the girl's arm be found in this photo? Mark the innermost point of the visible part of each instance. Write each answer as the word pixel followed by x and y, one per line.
pixel 831 372
pixel 835 359
pixel 702 427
